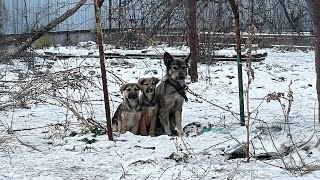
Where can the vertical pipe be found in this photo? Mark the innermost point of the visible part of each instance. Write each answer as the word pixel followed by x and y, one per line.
pixel 97 7
pixel 235 10
pixel 240 82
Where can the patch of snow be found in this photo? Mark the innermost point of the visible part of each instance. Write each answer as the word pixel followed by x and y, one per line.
pixel 51 152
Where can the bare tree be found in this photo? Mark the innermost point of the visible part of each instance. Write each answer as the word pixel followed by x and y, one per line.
pixel 24 45
pixel 1 15
pixel 314 8
pixel 165 15
pixel 289 18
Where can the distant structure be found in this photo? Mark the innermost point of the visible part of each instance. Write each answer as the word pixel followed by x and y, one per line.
pixel 19 17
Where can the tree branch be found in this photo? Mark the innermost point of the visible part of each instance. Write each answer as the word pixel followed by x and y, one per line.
pixel 165 15
pixel 286 13
pixel 24 45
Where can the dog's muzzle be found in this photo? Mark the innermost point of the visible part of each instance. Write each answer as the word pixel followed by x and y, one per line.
pixel 150 90
pixel 133 96
pixel 181 77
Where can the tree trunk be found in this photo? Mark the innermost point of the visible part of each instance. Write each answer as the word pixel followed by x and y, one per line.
pixel 191 10
pixel 314 8
pixel 252 21
pixel 24 45
pixel 110 16
pixel 286 13
pixel 1 15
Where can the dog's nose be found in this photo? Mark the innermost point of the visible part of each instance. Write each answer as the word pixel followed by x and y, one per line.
pixel 182 76
pixel 150 90
pixel 132 96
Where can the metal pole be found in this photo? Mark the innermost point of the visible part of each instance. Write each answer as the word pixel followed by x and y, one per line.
pixel 235 10
pixel 240 84
pixel 97 5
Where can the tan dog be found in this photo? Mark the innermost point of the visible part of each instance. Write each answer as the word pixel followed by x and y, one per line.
pixel 149 106
pixel 128 114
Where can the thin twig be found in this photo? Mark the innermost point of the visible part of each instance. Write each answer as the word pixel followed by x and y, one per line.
pixel 163 173
pixel 28 145
pixel 28 129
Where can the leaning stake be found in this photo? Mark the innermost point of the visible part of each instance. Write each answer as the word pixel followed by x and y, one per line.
pixel 235 10
pixel 97 6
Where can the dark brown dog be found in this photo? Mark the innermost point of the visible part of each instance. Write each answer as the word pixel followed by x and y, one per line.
pixel 128 114
pixel 149 106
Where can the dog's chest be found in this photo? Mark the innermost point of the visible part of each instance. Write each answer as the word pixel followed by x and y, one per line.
pixel 176 97
pixel 173 93
pixel 151 110
pixel 130 118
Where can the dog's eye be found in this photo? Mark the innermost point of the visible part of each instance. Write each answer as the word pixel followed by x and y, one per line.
pixel 129 89
pixel 136 89
pixel 153 83
pixel 175 67
pixel 145 84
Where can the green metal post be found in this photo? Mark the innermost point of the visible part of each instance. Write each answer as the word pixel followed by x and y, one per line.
pixel 235 10
pixel 240 84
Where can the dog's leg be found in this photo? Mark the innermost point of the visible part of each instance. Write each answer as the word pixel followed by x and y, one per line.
pixel 135 128
pixel 178 122
pixel 172 120
pixel 153 121
pixel 164 119
pixel 119 126
pixel 143 127
pixel 115 127
pixel 122 124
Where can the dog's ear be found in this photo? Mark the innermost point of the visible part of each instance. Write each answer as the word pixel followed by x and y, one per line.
pixel 187 59
pixel 156 80
pixel 167 59
pixel 123 87
pixel 141 80
pixel 139 86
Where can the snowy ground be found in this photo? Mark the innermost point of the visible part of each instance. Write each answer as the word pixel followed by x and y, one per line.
pixel 36 142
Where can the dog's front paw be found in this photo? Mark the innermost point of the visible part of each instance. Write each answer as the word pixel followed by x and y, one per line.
pixel 122 131
pixel 117 134
pixel 143 132
pixel 151 133
pixel 180 133
pixel 168 132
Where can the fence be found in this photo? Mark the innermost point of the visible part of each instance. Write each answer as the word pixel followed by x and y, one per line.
pixel 270 16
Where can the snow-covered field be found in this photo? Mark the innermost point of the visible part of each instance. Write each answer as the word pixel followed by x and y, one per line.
pixel 44 140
